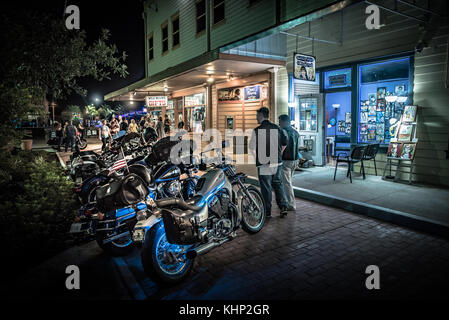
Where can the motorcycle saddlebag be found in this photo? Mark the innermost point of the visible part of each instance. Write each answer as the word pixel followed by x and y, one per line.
pixel 119 194
pixel 107 196
pixel 179 226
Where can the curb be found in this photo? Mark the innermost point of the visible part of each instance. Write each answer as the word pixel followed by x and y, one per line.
pixel 128 279
pixel 380 213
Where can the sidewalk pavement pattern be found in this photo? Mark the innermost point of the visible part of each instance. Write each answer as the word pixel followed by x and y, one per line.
pixel 317 252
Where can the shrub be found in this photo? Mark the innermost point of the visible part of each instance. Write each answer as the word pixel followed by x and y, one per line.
pixel 36 208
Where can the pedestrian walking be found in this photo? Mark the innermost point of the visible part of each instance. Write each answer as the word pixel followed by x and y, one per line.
pixel 70 133
pixel 160 128
pixel 290 158
pixel 132 126
pixel 105 135
pixel 266 144
pixel 114 126
pixel 124 125
pixel 59 135
pixel 167 124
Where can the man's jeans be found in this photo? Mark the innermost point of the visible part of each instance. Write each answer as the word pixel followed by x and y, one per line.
pixel 70 140
pixel 288 169
pixel 270 179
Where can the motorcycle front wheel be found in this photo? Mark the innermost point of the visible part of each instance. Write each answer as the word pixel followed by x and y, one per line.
pixel 253 214
pixel 160 258
pixel 82 144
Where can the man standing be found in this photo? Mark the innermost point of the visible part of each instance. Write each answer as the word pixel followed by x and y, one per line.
pixel 290 158
pixel 70 132
pixel 266 144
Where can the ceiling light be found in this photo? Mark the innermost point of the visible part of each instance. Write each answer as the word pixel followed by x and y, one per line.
pixel 131 102
pixel 165 88
pixel 135 92
pixel 336 105
pixel 210 79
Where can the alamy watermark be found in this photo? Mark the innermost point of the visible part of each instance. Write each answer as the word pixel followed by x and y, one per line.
pixel 73 19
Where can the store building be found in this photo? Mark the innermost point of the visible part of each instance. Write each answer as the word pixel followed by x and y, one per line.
pixel 201 54
pixel 366 77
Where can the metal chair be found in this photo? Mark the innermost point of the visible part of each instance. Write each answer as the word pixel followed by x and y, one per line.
pixel 356 156
pixel 370 154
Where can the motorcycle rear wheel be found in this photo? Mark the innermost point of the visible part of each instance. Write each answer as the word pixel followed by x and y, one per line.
pixel 253 218
pixel 154 267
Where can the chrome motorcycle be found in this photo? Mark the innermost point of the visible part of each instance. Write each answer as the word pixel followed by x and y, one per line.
pixel 181 229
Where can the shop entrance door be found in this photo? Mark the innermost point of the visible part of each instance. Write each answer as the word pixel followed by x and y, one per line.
pixel 309 119
pixel 338 124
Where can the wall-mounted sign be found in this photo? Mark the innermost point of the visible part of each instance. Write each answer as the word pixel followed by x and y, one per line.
pixel 229 94
pixel 252 93
pixel 156 101
pixel 194 100
pixel 338 80
pixel 304 67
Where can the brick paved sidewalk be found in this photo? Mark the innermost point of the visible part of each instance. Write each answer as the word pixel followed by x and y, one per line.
pixel 317 252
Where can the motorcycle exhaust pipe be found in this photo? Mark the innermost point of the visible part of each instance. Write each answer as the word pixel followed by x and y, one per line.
pixel 191 254
pixel 116 237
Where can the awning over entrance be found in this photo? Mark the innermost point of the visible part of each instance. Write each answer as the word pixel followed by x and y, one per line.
pixel 226 67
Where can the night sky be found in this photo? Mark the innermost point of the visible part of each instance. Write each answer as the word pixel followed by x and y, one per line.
pixel 124 21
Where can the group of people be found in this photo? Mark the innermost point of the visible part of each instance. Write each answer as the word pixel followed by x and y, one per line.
pixel 276 150
pixel 110 128
pixel 69 132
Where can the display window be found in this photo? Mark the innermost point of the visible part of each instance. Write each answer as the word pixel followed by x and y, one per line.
pixel 195 112
pixel 384 89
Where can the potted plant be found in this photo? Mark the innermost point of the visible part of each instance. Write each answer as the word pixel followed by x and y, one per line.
pixel 27 140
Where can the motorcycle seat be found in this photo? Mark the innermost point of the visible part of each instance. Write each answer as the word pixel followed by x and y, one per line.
pixel 191 204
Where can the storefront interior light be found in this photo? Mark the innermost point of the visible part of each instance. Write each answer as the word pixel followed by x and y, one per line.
pixel 165 88
pixel 335 105
pixel 131 102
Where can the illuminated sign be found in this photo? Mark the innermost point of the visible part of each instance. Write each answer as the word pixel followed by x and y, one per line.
pixel 156 101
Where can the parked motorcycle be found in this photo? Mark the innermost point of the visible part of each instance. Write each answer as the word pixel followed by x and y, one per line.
pixel 121 201
pixel 182 229
pixel 81 143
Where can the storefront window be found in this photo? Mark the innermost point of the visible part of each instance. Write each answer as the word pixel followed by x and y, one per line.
pixel 308 114
pixel 337 78
pixel 384 89
pixel 195 112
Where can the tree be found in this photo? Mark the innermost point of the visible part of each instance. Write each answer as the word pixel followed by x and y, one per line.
pixel 91 111
pixel 42 58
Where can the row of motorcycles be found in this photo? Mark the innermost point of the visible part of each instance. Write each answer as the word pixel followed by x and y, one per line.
pixel 138 193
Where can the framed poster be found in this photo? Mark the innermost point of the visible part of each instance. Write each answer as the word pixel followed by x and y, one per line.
pixel 405 132
pixel 408 151
pixel 252 93
pixel 394 150
pixel 409 114
pixel 229 94
pixel 381 91
pixel 372 99
pixel 304 67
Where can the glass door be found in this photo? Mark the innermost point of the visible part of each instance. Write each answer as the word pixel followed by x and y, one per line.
pixel 309 122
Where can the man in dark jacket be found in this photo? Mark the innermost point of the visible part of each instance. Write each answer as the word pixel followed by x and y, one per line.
pixel 290 158
pixel 70 132
pixel 267 143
